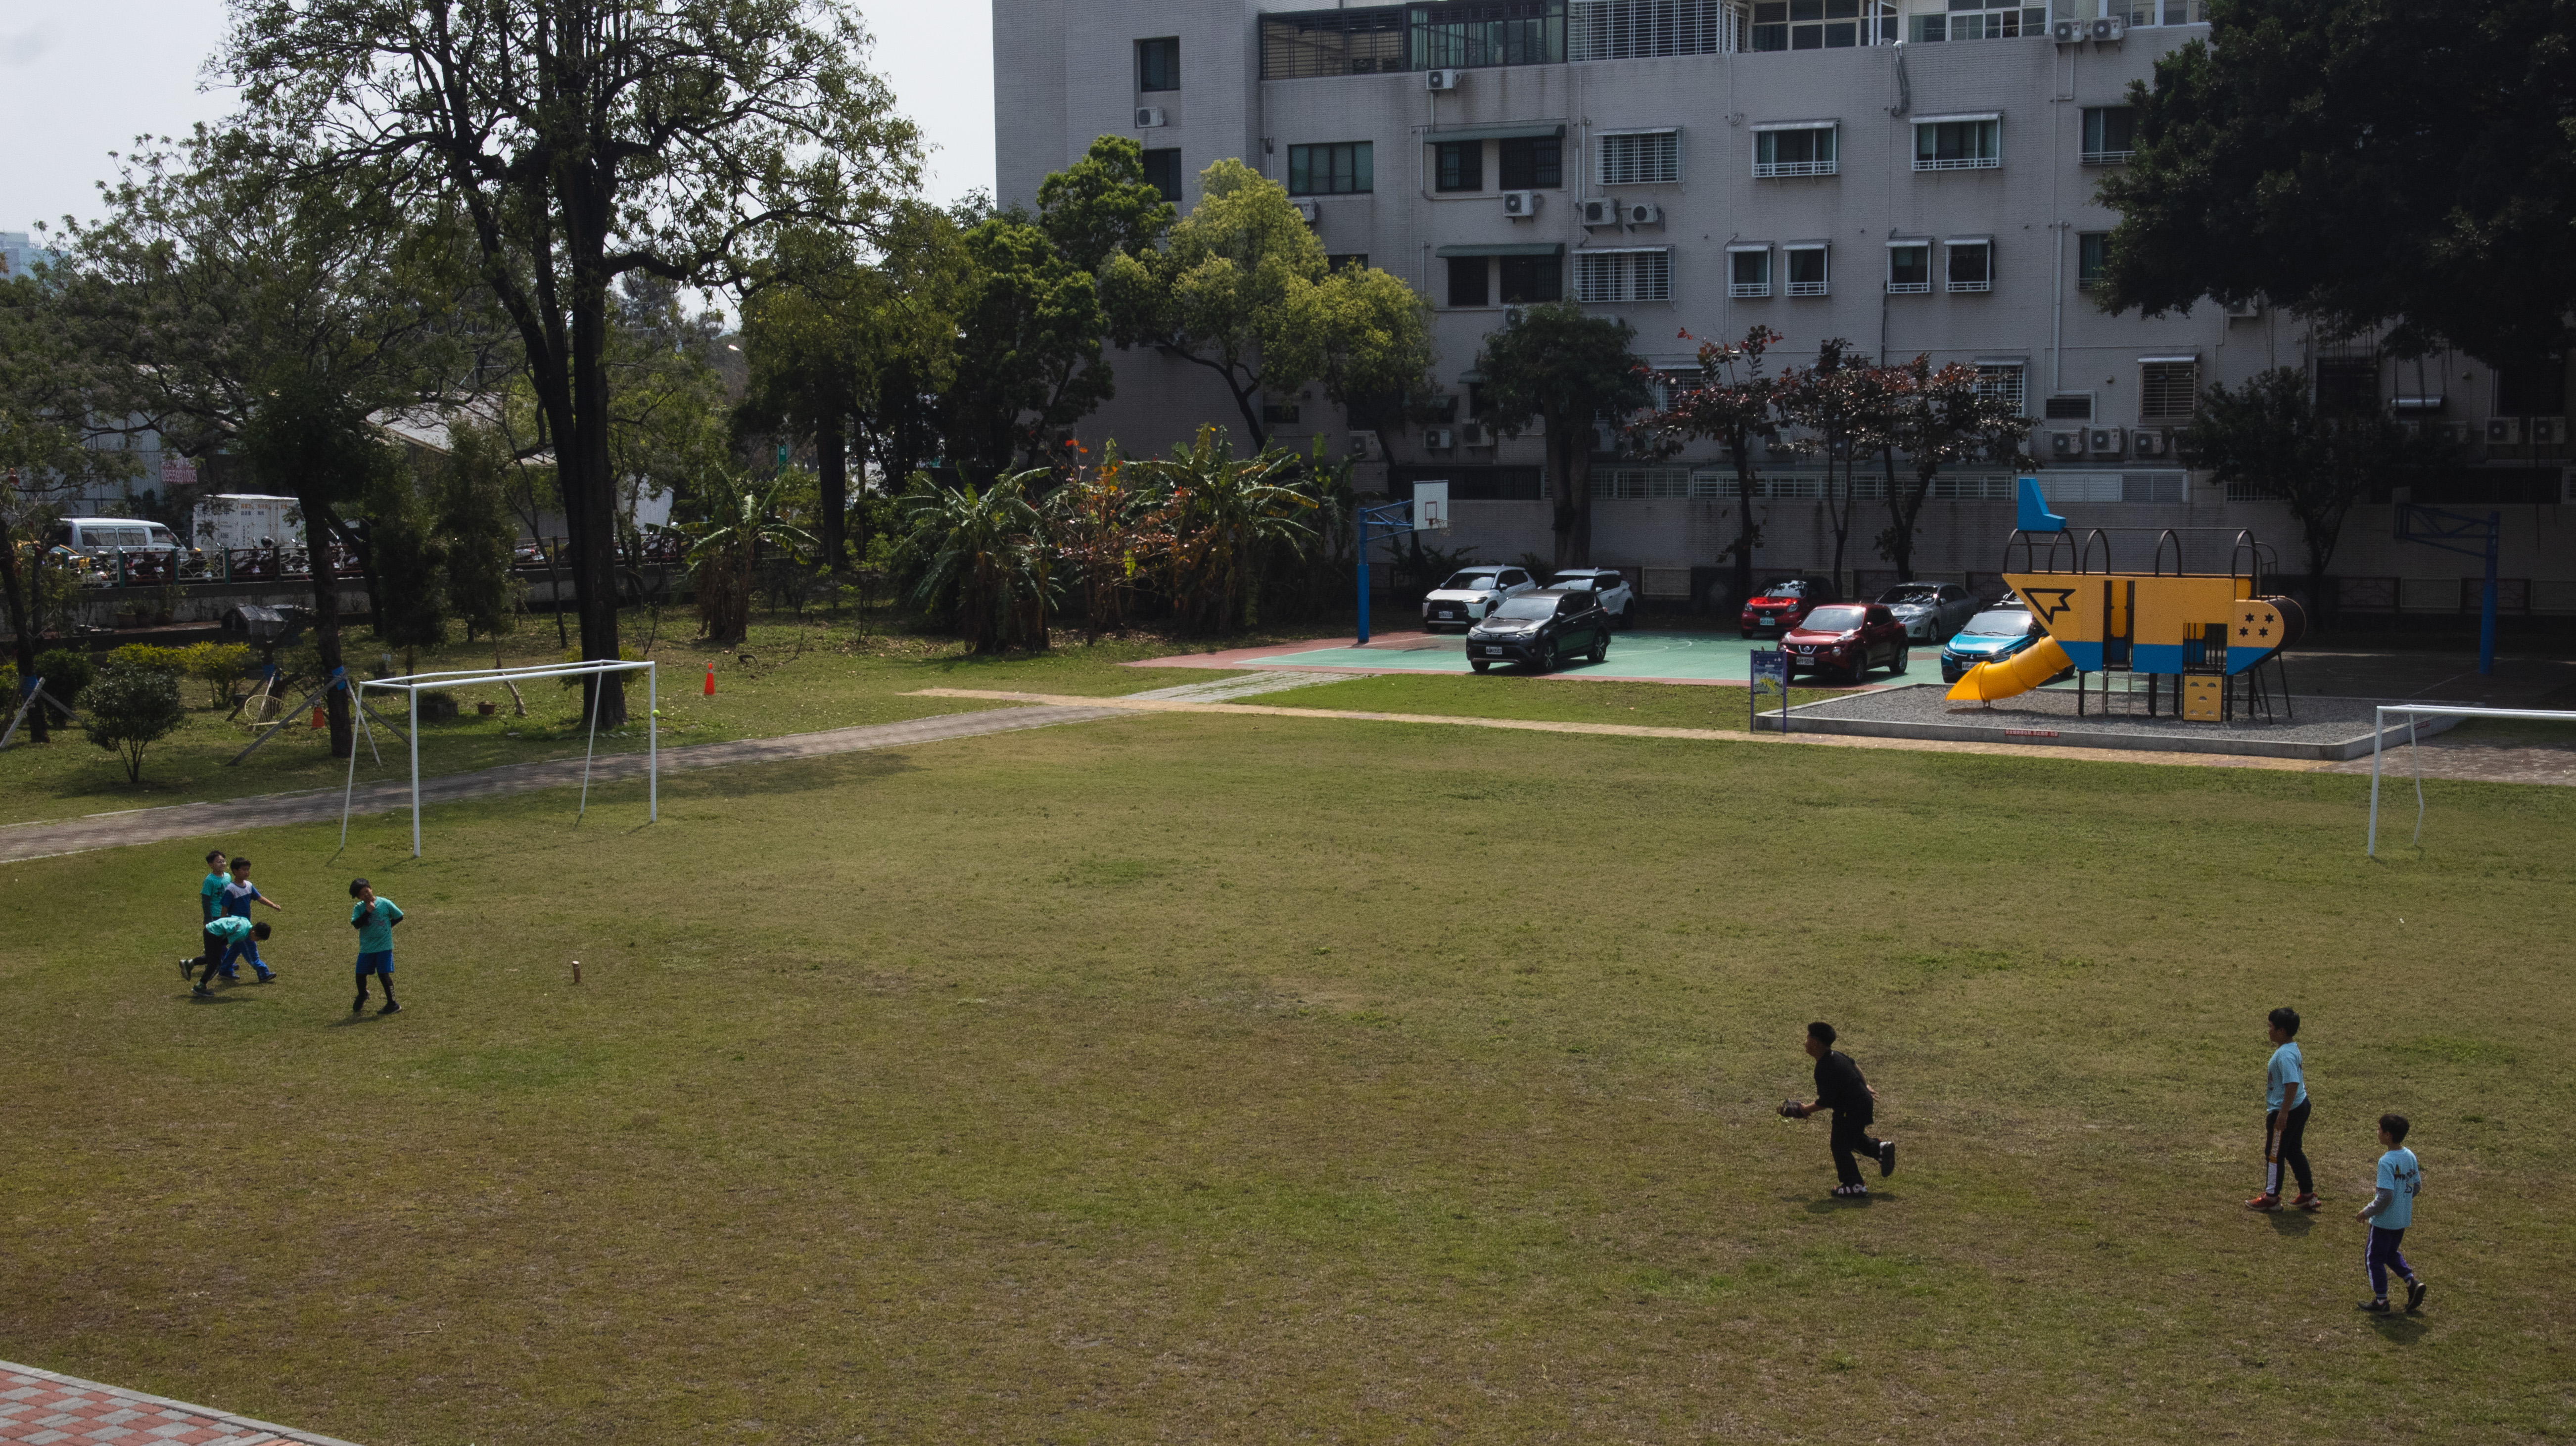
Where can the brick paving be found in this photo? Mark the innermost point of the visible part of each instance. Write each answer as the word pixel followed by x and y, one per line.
pixel 151 825
pixel 39 1408
pixel 2474 762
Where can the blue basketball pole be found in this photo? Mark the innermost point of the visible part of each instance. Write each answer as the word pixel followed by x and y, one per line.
pixel 1392 521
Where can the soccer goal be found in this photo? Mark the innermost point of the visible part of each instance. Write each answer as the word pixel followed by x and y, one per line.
pixel 2411 712
pixel 412 685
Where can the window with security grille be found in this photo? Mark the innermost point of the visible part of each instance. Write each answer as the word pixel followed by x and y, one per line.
pixel 2004 383
pixel 2168 391
pixel 1528 280
pixel 1822 24
pixel 2070 407
pixel 1634 29
pixel 2110 134
pixel 1307 44
pixel 1468 278
pixel 2141 13
pixel 1466 33
pixel 1795 151
pixel 2092 250
pixel 1342 169
pixel 1971 144
pixel 1458 166
pixel 1909 269
pixel 1982 20
pixel 1613 276
pixel 1972 266
pixel 1806 270
pixel 1158 64
pixel 1748 273
pixel 1532 163
pixel 1641 158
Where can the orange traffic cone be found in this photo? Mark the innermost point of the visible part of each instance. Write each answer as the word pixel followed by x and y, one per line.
pixel 711 680
pixel 321 719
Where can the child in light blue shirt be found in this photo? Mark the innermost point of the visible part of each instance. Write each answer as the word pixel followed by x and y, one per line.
pixel 2390 1211
pixel 2285 1116
pixel 374 919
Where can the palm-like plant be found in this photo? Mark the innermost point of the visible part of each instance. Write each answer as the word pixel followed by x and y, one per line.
pixel 984 557
pixel 741 516
pixel 1104 530
pixel 1222 513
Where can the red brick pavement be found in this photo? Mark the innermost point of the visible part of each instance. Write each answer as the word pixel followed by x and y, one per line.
pixel 39 1408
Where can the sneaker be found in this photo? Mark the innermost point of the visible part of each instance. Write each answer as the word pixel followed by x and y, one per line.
pixel 1886 1158
pixel 202 992
pixel 1851 1192
pixel 2414 1294
pixel 2373 1307
pixel 2264 1202
pixel 390 1008
pixel 188 967
pixel 2309 1200
pixel 265 975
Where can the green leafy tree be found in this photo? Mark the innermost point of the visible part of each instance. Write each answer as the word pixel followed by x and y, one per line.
pixel 1562 370
pixel 742 518
pixel 1736 405
pixel 471 505
pixel 1939 417
pixel 981 559
pixel 1102 206
pixel 130 709
pixel 1844 409
pixel 408 557
pixel 582 140
pixel 1028 349
pixel 1221 516
pixel 2361 165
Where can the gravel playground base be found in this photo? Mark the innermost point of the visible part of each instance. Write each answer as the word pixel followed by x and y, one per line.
pixel 2324 729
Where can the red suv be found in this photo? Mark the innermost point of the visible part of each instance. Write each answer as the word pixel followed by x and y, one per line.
pixel 1847 638
pixel 1783 602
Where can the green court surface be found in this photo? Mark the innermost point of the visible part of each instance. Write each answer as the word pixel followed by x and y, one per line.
pixel 1646 657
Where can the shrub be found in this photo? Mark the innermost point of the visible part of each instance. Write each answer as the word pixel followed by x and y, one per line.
pixel 145 655
pixel 216 665
pixel 130 709
pixel 66 672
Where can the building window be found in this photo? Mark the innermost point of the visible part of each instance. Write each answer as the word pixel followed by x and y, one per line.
pixel 1982 20
pixel 1963 143
pixel 1806 269
pixel 1336 260
pixel 2109 134
pixel 1468 33
pixel 1972 266
pixel 2004 383
pixel 1644 274
pixel 1158 64
pixel 1528 280
pixel 1748 271
pixel 1641 158
pixel 1336 170
pixel 1278 411
pixel 2091 247
pixel 1309 44
pixel 1460 166
pixel 1806 150
pixel 2070 407
pixel 2159 12
pixel 1467 277
pixel 1909 268
pixel 1163 173
pixel 2168 390
pixel 1635 29
pixel 1821 24
pixel 1533 163
pixel 2348 384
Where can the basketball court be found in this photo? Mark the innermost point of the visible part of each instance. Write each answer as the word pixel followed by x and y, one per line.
pixel 1638 657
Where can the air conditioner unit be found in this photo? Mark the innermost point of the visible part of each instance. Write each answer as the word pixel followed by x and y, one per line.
pixel 1149 117
pixel 1306 210
pixel 2245 310
pixel 2546 431
pixel 1600 211
pixel 2455 433
pixel 2504 431
pixel 1363 446
pixel 2067 32
pixel 1475 434
pixel 2106 441
pixel 1440 79
pixel 2107 29
pixel 2066 444
pixel 1438 439
pixel 1520 205
pixel 2149 443
pixel 1645 213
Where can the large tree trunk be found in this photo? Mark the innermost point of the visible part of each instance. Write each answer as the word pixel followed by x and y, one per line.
pixel 590 494
pixel 1578 470
pixel 832 458
pixel 1744 520
pixel 1901 511
pixel 22 622
pixel 320 527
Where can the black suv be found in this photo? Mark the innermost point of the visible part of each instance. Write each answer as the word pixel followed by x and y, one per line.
pixel 1540 630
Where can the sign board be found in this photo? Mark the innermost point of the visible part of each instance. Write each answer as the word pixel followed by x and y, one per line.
pixel 1770 685
pixel 1431 506
pixel 177 472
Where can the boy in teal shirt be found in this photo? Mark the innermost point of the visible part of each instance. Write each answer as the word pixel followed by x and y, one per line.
pixel 2285 1121
pixel 374 919
pixel 2389 1212
pixel 210 903
pixel 223 935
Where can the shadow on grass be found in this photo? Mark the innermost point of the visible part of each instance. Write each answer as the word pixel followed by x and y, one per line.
pixel 2296 1224
pixel 2401 1330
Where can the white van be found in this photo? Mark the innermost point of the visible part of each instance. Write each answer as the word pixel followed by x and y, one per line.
pixel 151 552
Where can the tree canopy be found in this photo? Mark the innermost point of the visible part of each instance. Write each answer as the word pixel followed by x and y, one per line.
pixel 1557 368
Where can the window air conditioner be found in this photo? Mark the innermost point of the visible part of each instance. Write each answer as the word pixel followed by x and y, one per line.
pixel 2245 310
pixel 1438 439
pixel 2546 431
pixel 1305 210
pixel 1520 205
pixel 2067 32
pixel 1148 117
pixel 1363 446
pixel 1440 80
pixel 1645 213
pixel 2107 29
pixel 2504 431
pixel 2149 443
pixel 2106 441
pixel 2455 433
pixel 1475 434
pixel 1600 211
pixel 2066 444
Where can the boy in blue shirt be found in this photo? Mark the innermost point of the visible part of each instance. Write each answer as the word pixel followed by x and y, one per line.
pixel 2389 1212
pixel 2285 1121
pixel 374 919
pixel 210 903
pixel 224 934
pixel 237 897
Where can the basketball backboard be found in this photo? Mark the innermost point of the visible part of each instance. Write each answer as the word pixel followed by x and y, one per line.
pixel 1431 506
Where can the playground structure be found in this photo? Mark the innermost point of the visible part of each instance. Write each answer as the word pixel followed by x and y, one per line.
pixel 2199 639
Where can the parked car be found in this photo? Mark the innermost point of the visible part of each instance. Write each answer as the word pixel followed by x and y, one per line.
pixel 1455 605
pixel 151 553
pixel 1931 611
pixel 1848 638
pixel 1783 603
pixel 1998 632
pixel 1618 598
pixel 1540 630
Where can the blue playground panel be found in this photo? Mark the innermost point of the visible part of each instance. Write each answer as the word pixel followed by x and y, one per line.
pixel 1655 657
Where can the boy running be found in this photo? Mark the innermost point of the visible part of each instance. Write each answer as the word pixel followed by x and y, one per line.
pixel 237 898
pixel 1840 1088
pixel 230 931
pixel 374 919
pixel 2285 1121
pixel 210 903
pixel 2389 1212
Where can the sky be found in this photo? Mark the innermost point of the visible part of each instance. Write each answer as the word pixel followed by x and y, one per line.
pixel 82 78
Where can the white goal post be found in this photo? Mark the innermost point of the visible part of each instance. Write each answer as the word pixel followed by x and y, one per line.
pixel 411 686
pixel 2379 735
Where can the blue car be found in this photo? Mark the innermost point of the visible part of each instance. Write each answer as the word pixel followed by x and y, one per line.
pixel 1998 632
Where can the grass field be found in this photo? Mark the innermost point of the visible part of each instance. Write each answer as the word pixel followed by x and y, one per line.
pixel 1192 1077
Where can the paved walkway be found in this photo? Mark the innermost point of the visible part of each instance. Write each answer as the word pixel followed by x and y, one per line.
pixel 38 1408
pixel 151 825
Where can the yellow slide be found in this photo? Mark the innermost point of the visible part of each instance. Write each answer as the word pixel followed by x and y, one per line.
pixel 2019 673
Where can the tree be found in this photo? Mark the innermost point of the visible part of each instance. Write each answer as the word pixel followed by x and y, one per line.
pixel 470 500
pixel 2267 435
pixel 982 559
pixel 409 559
pixel 1735 406
pixel 1939 418
pixel 130 709
pixel 1369 339
pixel 742 516
pixel 1845 407
pixel 1219 515
pixel 582 140
pixel 2361 165
pixel 1102 206
pixel 1563 370
pixel 1028 348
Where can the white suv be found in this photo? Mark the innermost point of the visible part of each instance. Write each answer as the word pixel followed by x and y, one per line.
pixel 1618 599
pixel 1456 605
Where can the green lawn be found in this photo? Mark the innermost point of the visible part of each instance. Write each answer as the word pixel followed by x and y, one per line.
pixel 1263 1079
pixel 1552 699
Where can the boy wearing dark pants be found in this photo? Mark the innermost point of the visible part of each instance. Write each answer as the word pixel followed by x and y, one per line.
pixel 223 936
pixel 2285 1119
pixel 374 919
pixel 2390 1211
pixel 237 898
pixel 1840 1088
pixel 210 903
